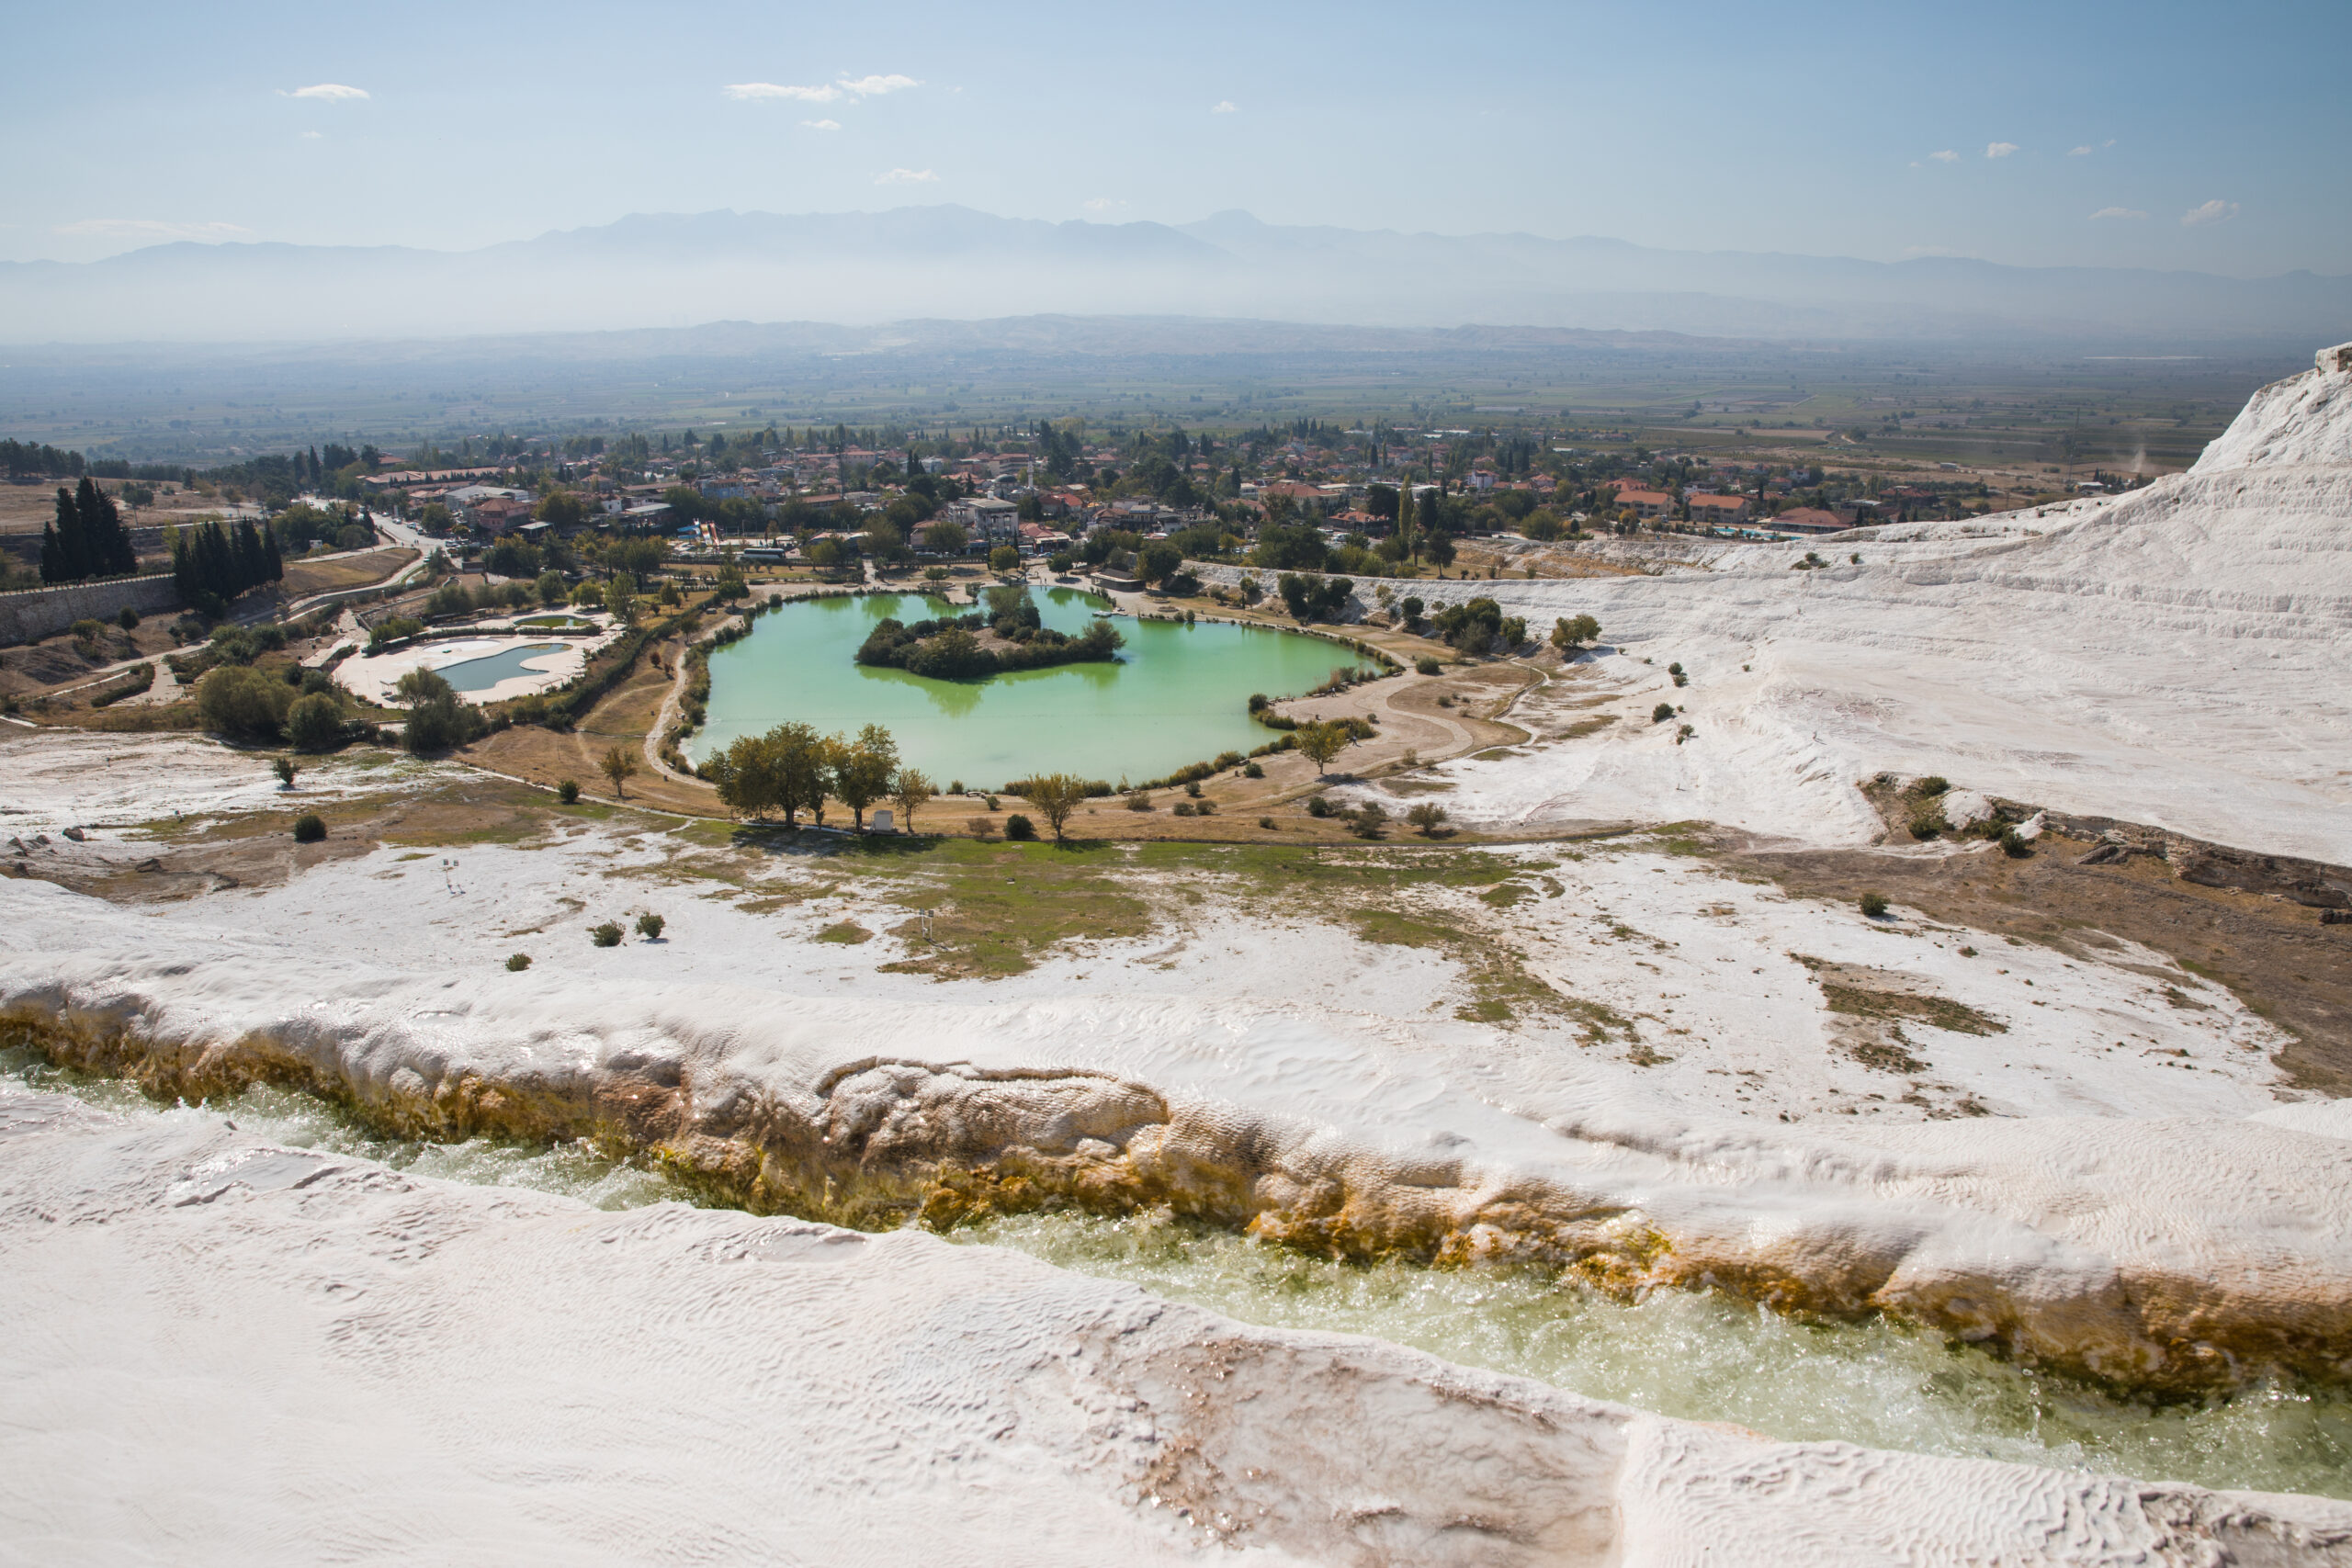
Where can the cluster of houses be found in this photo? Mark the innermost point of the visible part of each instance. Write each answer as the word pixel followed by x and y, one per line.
pixel 995 488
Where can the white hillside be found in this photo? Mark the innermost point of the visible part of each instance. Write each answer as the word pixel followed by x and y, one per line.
pixel 2177 655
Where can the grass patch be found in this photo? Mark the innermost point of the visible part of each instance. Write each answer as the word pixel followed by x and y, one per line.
pixel 847 932
pixel 1941 1011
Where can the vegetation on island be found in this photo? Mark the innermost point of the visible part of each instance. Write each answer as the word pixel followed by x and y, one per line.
pixel 951 649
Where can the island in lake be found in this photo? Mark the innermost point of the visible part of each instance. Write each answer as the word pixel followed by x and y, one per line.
pixel 968 647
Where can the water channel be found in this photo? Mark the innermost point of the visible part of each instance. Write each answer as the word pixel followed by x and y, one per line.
pixel 1702 1357
pixel 1177 693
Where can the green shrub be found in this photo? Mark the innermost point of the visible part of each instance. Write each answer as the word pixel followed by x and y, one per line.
pixel 606 935
pixel 127 620
pixel 1019 826
pixel 1205 808
pixel 309 827
pixel 1182 808
pixel 242 702
pixel 517 963
pixel 1934 784
pixel 314 723
pixel 1427 665
pixel 1874 905
pixel 568 791
pixel 1193 788
pixel 2015 844
pixel 1661 713
pixel 1319 807
pixel 1928 824
pixel 1267 823
pixel 1137 800
pixel 648 926
pixel 1252 770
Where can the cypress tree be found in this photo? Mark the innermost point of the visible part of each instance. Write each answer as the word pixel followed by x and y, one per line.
pixel 274 562
pixel 250 567
pixel 184 582
pixel 104 541
pixel 64 554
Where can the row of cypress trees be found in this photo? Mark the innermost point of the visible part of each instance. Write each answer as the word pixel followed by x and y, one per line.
pixel 86 539
pixel 211 564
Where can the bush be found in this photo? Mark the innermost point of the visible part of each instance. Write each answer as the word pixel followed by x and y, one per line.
pixel 1369 821
pixel 1934 784
pixel 1661 713
pixel 242 702
pixel 314 723
pixel 606 935
pixel 127 620
pixel 1183 808
pixel 1252 770
pixel 1137 800
pixel 648 926
pixel 1427 665
pixel 1267 823
pixel 309 827
pixel 1019 826
pixel 1928 824
pixel 990 802
pixel 980 826
pixel 1319 807
pixel 1428 816
pixel 568 791
pixel 1193 788
pixel 2015 844
pixel 1874 905
pixel 1205 808
pixel 517 963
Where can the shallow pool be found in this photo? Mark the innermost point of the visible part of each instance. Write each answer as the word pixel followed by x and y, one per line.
pixel 1706 1357
pixel 1177 695
pixel 481 674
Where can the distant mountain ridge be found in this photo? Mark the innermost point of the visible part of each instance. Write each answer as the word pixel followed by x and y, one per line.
pixel 679 269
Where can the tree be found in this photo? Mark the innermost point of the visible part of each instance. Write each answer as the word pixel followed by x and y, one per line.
pixel 913 789
pixel 1318 743
pixel 438 718
pixel 863 773
pixel 563 508
pixel 241 702
pixel 1159 560
pixel 619 765
pixel 620 598
pixel 1428 816
pixel 946 538
pixel 314 723
pixel 550 588
pixel 1570 633
pixel 1056 796
pixel 1004 558
pixel 285 769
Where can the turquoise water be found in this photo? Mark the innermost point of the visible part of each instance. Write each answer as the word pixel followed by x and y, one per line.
pixel 481 674
pixel 1177 695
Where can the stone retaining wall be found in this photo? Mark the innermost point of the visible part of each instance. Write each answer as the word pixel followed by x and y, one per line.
pixel 37 612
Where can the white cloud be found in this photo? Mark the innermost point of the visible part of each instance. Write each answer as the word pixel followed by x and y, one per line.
pixel 2116 212
pixel 907 177
pixel 330 90
pixel 2086 149
pixel 823 124
pixel 2210 212
pixel 1102 204
pixel 823 93
pixel 1946 156
pixel 314 136
pixel 150 229
pixel 1999 148
pixel 744 91
pixel 1224 106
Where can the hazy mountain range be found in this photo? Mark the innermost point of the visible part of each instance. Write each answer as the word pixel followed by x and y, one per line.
pixel 675 270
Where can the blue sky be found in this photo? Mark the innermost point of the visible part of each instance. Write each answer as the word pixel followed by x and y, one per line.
pixel 2152 135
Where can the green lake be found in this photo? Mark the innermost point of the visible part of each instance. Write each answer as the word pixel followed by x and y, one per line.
pixel 1177 693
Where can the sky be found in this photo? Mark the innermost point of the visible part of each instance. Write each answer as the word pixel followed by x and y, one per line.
pixel 2158 135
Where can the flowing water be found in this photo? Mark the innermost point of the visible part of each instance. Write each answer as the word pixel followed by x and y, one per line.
pixel 1706 1356
pixel 1177 693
